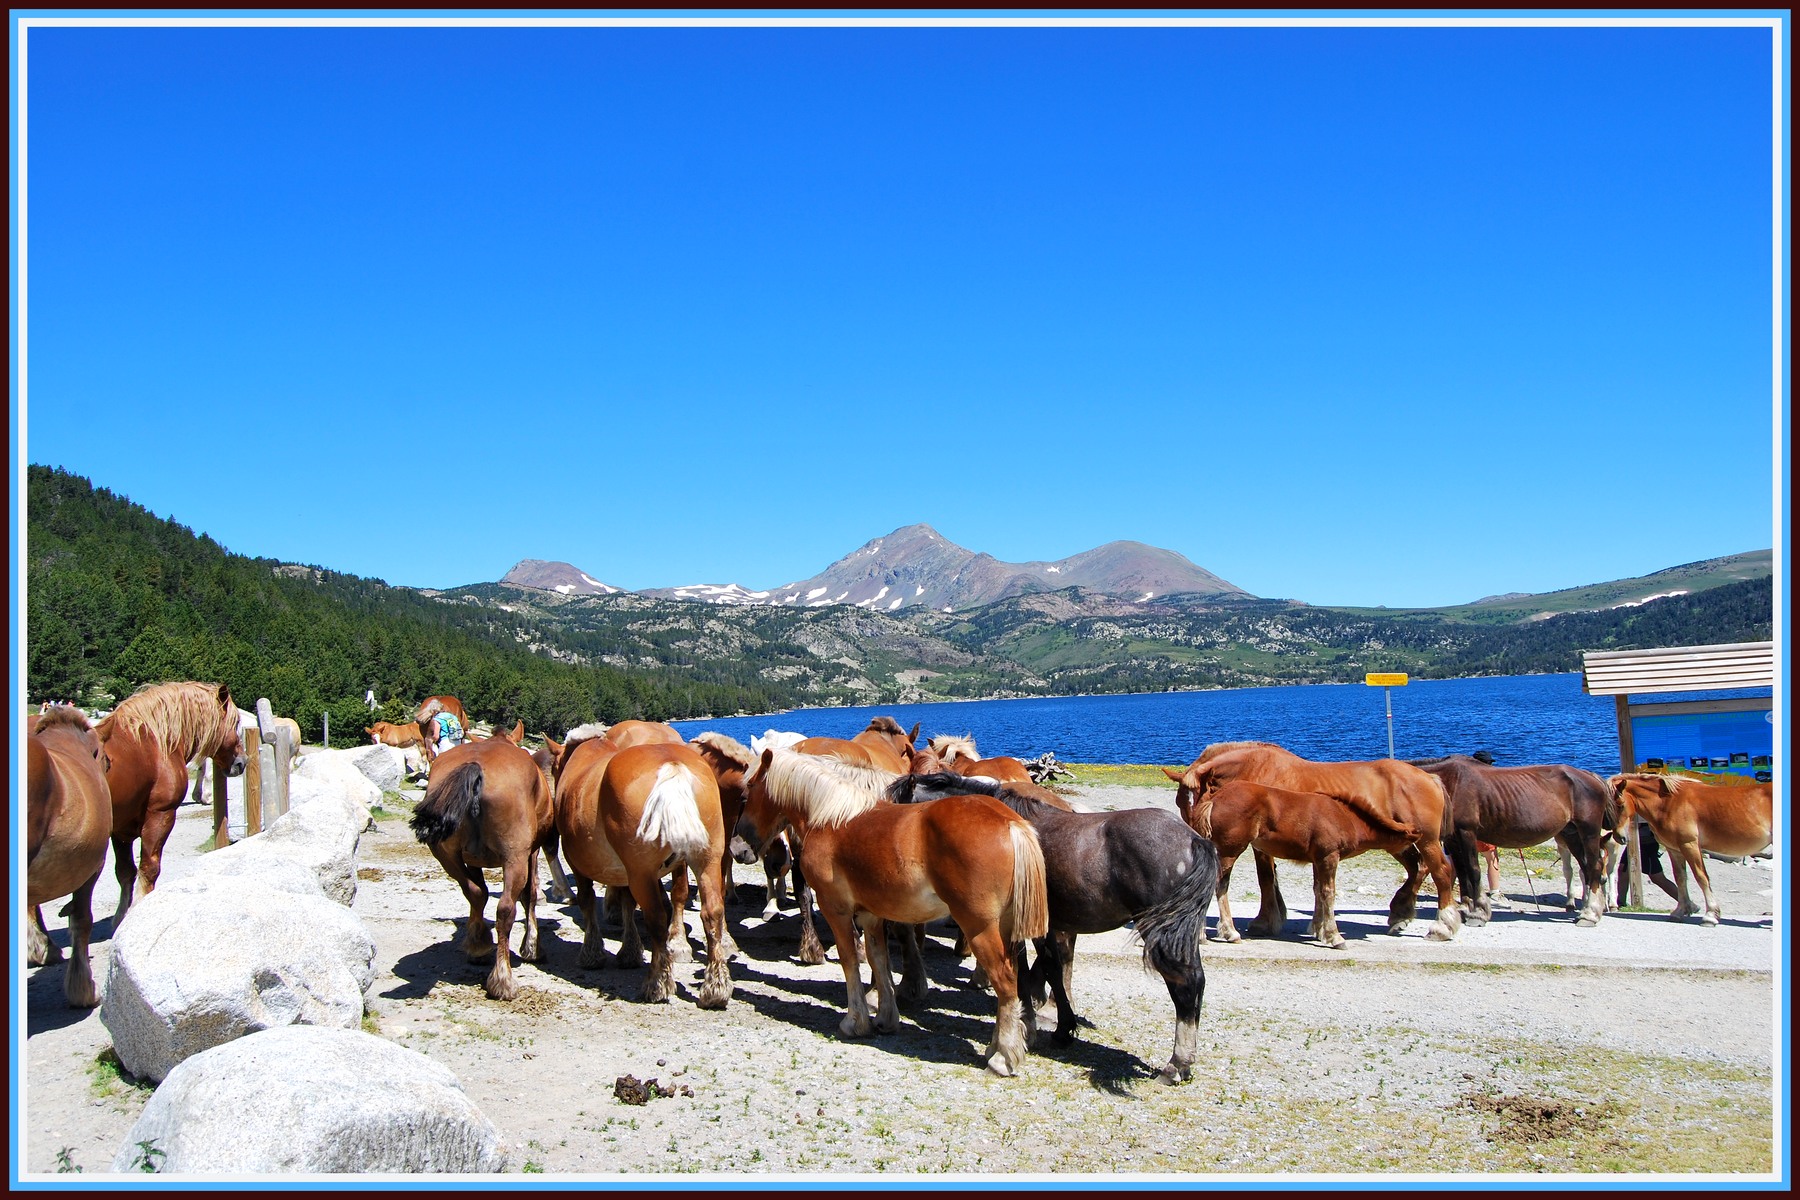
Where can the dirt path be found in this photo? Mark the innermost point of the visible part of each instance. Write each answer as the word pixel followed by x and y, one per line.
pixel 1529 1045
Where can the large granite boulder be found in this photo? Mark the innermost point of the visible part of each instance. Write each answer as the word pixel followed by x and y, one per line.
pixel 337 767
pixel 383 766
pixel 320 830
pixel 307 1100
pixel 245 947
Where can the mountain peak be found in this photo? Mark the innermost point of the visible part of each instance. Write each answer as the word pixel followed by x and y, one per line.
pixel 560 577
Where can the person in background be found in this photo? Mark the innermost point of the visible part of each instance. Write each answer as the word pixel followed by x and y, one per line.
pixel 1491 854
pixel 1650 858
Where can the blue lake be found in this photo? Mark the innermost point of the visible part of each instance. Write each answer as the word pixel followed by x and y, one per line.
pixel 1520 719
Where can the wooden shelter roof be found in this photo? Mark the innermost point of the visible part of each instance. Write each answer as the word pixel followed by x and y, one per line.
pixel 1678 669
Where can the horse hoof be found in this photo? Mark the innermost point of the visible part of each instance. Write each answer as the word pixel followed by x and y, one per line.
pixel 479 953
pixel 501 989
pixel 1474 920
pixel 1709 920
pixel 812 956
pixel 1586 921
pixel 1440 933
pixel 715 997
pixel 850 1027
pixel 1175 1075
pixel 1336 943
pixel 681 952
pixel 998 1065
pixel 1061 1037
pixel 655 991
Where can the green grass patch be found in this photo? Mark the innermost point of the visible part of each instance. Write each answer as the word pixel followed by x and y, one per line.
pixel 1120 775
pixel 109 1080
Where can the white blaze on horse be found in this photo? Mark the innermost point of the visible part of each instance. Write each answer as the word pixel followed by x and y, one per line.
pixel 1688 817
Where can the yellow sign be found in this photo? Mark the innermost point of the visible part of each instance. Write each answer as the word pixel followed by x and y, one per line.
pixel 1385 679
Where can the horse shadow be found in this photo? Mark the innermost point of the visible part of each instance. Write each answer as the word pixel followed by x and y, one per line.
pixel 46 1008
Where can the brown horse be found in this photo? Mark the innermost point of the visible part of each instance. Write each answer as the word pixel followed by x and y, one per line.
pixel 1401 794
pixel 1688 816
pixel 622 736
pixel 1524 806
pixel 1299 827
pixel 958 754
pixel 68 818
pixel 887 743
pixel 626 816
pixel 429 708
pixel 488 805
pixel 967 857
pixel 149 741
pixel 383 733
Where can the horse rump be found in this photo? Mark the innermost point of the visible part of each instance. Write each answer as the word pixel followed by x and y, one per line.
pixel 452 805
pixel 671 815
pixel 1030 909
pixel 1173 929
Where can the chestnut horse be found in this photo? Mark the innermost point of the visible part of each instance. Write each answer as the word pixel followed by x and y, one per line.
pixel 887 743
pixel 429 708
pixel 68 818
pixel 958 754
pixel 1299 827
pixel 1400 793
pixel 149 741
pixel 1516 807
pixel 1103 869
pixel 488 805
pixel 626 816
pixel 1688 816
pixel 384 733
pixel 967 857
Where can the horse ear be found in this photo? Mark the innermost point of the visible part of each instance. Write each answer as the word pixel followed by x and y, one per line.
pixel 1172 773
pixel 914 735
pixel 224 696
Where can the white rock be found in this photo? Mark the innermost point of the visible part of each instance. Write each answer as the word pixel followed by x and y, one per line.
pixel 320 831
pixel 384 766
pixel 339 767
pixel 323 1101
pixel 205 960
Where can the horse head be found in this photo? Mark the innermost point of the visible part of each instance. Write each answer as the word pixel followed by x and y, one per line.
pixel 229 743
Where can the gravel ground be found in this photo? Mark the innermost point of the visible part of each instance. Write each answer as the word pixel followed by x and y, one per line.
pixel 1527 1046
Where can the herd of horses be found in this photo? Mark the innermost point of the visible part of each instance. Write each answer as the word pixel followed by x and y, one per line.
pixel 881 834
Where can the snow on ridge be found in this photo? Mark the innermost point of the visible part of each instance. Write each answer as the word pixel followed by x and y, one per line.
pixel 564 588
pixel 1648 599
pixel 896 602
pixel 816 593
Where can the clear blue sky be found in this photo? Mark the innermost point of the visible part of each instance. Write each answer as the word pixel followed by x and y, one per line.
pixel 1353 316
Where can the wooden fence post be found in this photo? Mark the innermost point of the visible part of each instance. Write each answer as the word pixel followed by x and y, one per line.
pixel 275 782
pixel 221 803
pixel 1634 861
pixel 328 729
pixel 252 781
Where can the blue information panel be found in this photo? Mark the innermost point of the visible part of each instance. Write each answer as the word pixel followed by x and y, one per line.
pixel 1727 743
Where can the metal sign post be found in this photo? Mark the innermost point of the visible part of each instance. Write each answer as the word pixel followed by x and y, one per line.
pixel 1387 680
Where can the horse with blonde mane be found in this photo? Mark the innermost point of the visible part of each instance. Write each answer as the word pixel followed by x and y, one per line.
pixel 1688 816
pixel 967 857
pixel 148 742
pixel 958 754
pixel 627 816
pixel 1400 794
pixel 68 818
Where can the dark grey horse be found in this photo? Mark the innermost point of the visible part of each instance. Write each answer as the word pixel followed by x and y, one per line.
pixel 1102 870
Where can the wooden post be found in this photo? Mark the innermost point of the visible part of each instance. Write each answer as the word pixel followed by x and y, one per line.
pixel 265 758
pixel 284 757
pixel 221 804
pixel 252 781
pixel 328 729
pixel 1634 861
pixel 275 781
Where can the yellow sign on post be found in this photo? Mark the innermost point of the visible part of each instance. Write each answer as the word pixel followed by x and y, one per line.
pixel 1387 679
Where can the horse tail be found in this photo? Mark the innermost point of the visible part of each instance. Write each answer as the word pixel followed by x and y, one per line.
pixel 671 815
pixel 1202 814
pixel 1029 912
pixel 1173 929
pixel 1612 809
pixel 449 805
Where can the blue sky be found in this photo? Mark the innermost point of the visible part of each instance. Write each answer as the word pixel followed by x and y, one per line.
pixel 1353 316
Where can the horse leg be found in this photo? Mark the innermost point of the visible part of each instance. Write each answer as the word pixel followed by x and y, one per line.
pixel 78 976
pixel 715 989
pixel 1567 859
pixel 500 984
pixel 558 892
pixel 1405 904
pixel 1459 850
pixel 1590 850
pixel 659 983
pixel 1056 960
pixel 1007 1051
pixel 856 1015
pixel 1688 855
pixel 616 900
pixel 1028 1003
pixel 1227 930
pixel 812 951
pixel 159 821
pixel 1449 917
pixel 478 941
pixel 887 1012
pixel 1325 901
pixel 912 964
pixel 679 950
pixel 530 949
pixel 631 944
pixel 39 949
pixel 1272 917
pixel 593 950
pixel 125 871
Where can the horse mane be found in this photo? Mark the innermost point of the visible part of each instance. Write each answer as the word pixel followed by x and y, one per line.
pixel 885 725
pixel 827 790
pixel 948 745
pixel 1218 748
pixel 904 791
pixel 775 739
pixel 59 715
pixel 183 717
pixel 729 747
